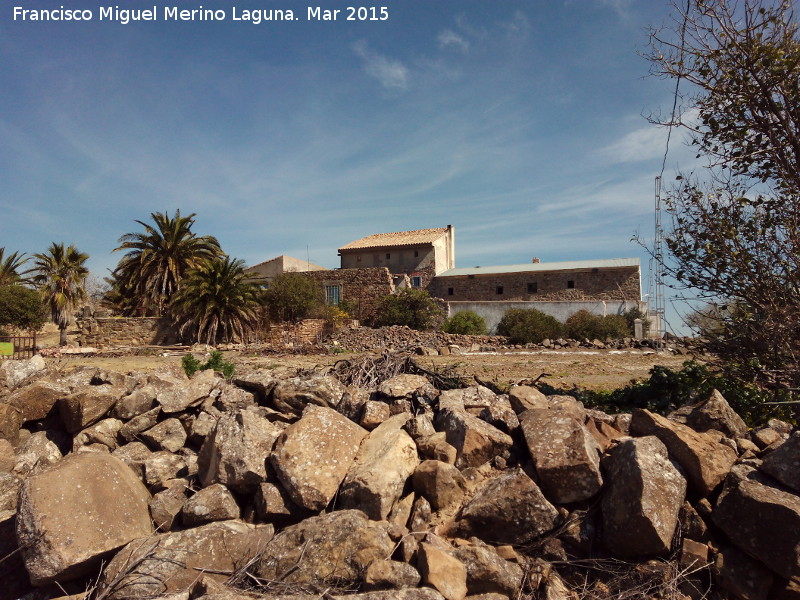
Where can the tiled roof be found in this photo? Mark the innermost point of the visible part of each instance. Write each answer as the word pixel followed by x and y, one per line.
pixel 571 265
pixel 400 238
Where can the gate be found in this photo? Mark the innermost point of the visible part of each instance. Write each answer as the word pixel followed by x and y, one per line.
pixel 15 347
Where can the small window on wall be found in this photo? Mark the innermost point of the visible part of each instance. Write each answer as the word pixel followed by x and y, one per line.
pixel 416 282
pixel 570 284
pixel 358 258
pixel 499 290
pixel 533 287
pixel 450 291
pixel 416 253
pixel 388 256
pixel 332 295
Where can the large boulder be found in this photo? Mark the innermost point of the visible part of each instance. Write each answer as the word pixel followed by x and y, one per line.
pixel 293 395
pixel 37 399
pixel 475 441
pixel 442 571
pixel 705 460
pixel 16 371
pixel 642 498
pixel 234 453
pixel 566 454
pixel 334 547
pixel 406 386
pixel 313 455
pixel 488 572
pixel 177 397
pixel 440 483
pixel 212 503
pixel 715 413
pixel 87 405
pixel 509 508
pixel 385 460
pixel 172 562
pixel 784 462
pixel 75 512
pixel 526 397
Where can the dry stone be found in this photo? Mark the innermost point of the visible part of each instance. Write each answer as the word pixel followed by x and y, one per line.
pixel 390 574
pixel 17 371
pixel 475 396
pixel 177 559
pixel 784 462
pixel 163 465
pixel 138 424
pixel 37 399
pixel 566 455
pixel 212 503
pixel 475 440
pixel 165 506
pixel 176 398
pixel 37 453
pixel 715 413
pixel 334 547
pixel 169 434
pixel 739 574
pixel 9 488
pixel 7 458
pixel 139 401
pixel 373 414
pixel 526 397
pixel 442 571
pixel 406 386
pixel 312 456
pixel 293 395
pixel 272 503
pixel 87 405
pixel 509 508
pixel 642 499
pixel 11 419
pixel 705 461
pixel 105 432
pixel 76 511
pixel 386 459
pixel 234 453
pixel 488 573
pixel 260 383
pixel 442 484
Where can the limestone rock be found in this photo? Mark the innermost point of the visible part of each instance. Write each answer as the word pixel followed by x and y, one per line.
pixel 475 440
pixel 566 455
pixel 9 488
pixel 212 503
pixel 784 462
pixel 443 572
pixel 11 419
pixel 169 434
pixel 87 405
pixel 37 453
pixel 105 432
pixel 642 499
pixel 175 559
pixel 442 484
pixel 390 574
pixel 526 397
pixel 488 573
pixel 705 461
pixel 475 396
pixel 509 508
pixel 74 512
pixel 716 413
pixel 138 424
pixel 293 395
pixel 138 402
pixel 37 399
pixel 177 398
pixel 163 465
pixel 234 453
pixel 17 371
pixel 312 456
pixel 407 386
pixel 333 547
pixel 373 414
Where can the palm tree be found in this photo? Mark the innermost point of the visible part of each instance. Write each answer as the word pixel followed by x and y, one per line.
pixel 162 255
pixel 59 274
pixel 217 301
pixel 9 267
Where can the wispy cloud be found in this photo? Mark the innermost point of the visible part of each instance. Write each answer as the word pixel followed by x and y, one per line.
pixel 392 74
pixel 641 144
pixel 450 39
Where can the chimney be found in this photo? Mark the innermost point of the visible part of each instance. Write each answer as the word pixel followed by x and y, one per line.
pixel 535 260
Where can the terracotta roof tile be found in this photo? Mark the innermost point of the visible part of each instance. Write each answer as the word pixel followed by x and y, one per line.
pixel 400 238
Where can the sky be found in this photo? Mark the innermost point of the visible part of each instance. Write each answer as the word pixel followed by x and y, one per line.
pixel 521 123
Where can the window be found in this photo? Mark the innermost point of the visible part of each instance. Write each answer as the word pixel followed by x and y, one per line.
pixel 533 287
pixel 416 253
pixel 499 290
pixel 388 256
pixel 416 282
pixel 450 291
pixel 570 284
pixel 358 258
pixel 332 294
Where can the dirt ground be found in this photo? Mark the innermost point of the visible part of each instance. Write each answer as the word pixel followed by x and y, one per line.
pixel 585 369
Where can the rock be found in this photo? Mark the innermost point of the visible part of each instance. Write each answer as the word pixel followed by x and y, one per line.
pixel 11 419
pixel 502 417
pixel 17 371
pixel 435 447
pixel 212 503
pixel 419 426
pixel 138 402
pixel 407 386
pixel 232 398
pixel 87 405
pixel 488 573
pixel 105 432
pixel 475 440
pixel 526 397
pixel 272 503
pixel 373 414
pixel 443 572
pixel 385 460
pixel 390 574
pixel 138 424
pixel 7 458
pixel 37 399
pixel 163 465
pixel 642 499
pixel 739 574
pixel 167 435
pixel 202 427
pixel 765 436
pixel 509 508
pixel 171 562
pixel 234 453
pixel 73 513
pixel 37 453
pixel 760 519
pixel 352 403
pixel 705 461
pixel 442 484
pixel 312 456
pixel 420 517
pixel 334 547
pixel 566 455
pixel 165 506
pixel 475 396
pixel 9 488
pixel 293 395
pixel 260 383
pixel 177 398
pixel 784 463
pixel 715 413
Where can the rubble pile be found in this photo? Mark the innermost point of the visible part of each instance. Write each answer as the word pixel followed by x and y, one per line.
pixel 121 486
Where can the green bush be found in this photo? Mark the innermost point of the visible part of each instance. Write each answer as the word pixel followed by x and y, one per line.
pixel 292 297
pixel 215 361
pixel 410 306
pixel 585 325
pixel 529 326
pixel 637 313
pixel 465 322
pixel 22 307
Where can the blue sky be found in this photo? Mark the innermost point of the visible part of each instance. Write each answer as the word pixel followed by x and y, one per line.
pixel 519 122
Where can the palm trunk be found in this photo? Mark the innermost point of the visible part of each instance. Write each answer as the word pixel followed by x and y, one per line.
pixel 62 341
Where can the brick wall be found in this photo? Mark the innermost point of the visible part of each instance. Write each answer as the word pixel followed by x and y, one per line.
pixel 589 284
pixel 119 331
pixel 361 288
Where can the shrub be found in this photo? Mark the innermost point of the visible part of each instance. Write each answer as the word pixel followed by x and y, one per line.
pixel 215 361
pixel 292 297
pixel 585 325
pixel 529 326
pixel 465 322
pixel 637 313
pixel 410 306
pixel 22 307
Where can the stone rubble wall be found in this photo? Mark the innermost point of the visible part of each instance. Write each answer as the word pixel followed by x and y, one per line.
pixel 125 331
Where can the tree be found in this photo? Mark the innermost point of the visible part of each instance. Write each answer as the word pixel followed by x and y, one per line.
pixel 10 267
pixel 466 322
pixel 217 301
pixel 22 307
pixel 412 307
pixel 734 233
pixel 158 258
pixel 529 326
pixel 59 275
pixel 292 297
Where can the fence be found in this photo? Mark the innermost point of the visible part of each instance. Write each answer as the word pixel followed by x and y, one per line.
pixel 15 347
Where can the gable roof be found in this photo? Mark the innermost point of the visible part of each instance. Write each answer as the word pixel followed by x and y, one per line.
pixel 609 263
pixel 399 238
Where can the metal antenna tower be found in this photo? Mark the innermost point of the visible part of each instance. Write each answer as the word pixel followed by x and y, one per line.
pixel 658 256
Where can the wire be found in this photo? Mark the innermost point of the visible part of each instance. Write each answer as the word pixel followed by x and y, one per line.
pixel 676 94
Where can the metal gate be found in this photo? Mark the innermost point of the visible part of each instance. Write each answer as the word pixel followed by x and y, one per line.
pixel 15 347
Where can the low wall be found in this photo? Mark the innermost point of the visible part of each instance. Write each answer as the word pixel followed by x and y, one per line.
pixel 492 312
pixel 125 331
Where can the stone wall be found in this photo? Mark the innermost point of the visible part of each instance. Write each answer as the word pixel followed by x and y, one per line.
pixel 304 333
pixel 587 284
pixel 360 288
pixel 121 331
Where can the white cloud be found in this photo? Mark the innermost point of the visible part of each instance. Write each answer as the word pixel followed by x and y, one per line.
pixel 392 74
pixel 450 39
pixel 641 144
